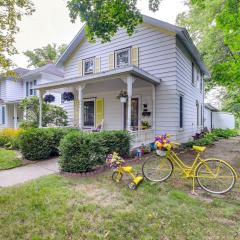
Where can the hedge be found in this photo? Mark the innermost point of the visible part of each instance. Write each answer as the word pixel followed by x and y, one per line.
pixel 213 136
pixel 82 152
pixel 41 143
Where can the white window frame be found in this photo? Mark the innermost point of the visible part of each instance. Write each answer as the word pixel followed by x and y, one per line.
pixel 84 62
pixel 89 100
pixel 28 88
pixel 120 51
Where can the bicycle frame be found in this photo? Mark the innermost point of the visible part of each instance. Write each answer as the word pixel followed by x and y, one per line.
pixel 189 171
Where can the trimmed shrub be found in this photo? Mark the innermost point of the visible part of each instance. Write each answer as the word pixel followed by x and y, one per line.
pixel 35 144
pixel 41 143
pixel 116 141
pixel 81 152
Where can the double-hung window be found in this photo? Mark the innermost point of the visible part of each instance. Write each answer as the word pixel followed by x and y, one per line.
pixel 122 57
pixel 89 113
pixel 88 66
pixel 181 111
pixel 197 105
pixel 29 88
pixel 3 115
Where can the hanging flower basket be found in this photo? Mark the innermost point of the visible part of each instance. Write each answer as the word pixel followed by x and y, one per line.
pixel 49 98
pixel 68 96
pixel 122 96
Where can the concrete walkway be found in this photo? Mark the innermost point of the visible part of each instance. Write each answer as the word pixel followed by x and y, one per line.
pixel 29 172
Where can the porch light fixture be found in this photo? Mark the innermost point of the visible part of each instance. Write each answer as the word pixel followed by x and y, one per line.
pixel 122 96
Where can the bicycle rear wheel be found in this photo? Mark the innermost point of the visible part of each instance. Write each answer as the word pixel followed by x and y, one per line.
pixel 157 169
pixel 215 176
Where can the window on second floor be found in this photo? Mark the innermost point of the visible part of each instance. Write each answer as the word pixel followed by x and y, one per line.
pixel 88 66
pixel 29 88
pixel 122 57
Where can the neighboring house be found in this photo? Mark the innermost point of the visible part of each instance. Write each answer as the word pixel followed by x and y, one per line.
pixel 13 91
pixel 213 118
pixel 158 66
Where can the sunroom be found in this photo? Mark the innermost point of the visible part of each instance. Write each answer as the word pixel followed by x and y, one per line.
pixel 96 104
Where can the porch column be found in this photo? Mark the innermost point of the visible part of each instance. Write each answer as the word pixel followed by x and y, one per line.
pixel 6 116
pixel 130 81
pixel 41 93
pixel 15 116
pixel 154 108
pixel 76 108
pixel 80 98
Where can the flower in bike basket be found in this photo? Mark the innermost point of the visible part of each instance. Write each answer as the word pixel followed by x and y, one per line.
pixel 114 160
pixel 163 143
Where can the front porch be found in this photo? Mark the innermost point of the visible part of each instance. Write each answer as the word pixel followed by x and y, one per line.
pixel 95 102
pixel 13 115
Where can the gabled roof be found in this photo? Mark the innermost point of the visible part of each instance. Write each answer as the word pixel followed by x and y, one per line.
pixel 48 68
pixel 181 34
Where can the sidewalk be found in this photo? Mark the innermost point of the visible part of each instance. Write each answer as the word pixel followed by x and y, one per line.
pixel 29 172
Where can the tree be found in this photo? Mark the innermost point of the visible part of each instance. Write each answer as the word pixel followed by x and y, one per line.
pixel 11 12
pixel 214 26
pixel 41 56
pixel 51 114
pixel 104 17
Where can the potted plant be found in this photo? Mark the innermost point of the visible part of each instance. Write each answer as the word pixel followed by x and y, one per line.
pixel 68 96
pixel 122 96
pixel 163 145
pixel 145 125
pixel 49 98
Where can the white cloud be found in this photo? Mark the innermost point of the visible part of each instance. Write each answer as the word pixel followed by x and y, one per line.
pixel 51 24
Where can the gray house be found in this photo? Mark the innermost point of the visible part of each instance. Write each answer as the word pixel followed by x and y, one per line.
pixel 159 68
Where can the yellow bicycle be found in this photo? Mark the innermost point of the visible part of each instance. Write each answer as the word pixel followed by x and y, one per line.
pixel 212 174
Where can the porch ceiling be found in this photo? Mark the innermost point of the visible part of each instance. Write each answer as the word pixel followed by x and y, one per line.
pixel 116 73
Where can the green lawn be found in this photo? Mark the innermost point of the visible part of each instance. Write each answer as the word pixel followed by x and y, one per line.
pixel 56 207
pixel 9 159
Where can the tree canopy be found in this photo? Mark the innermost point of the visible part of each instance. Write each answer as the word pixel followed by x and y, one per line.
pixel 214 26
pixel 41 56
pixel 11 12
pixel 104 18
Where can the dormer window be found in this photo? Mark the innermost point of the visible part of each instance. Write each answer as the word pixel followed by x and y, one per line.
pixel 122 57
pixel 88 66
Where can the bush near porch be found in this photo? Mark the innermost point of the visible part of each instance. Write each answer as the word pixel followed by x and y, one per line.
pixel 82 152
pixel 41 143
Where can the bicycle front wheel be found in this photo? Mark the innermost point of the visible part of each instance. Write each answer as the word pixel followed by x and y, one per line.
pixel 215 176
pixel 157 169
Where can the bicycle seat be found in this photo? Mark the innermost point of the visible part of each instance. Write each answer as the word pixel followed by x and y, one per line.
pixel 198 148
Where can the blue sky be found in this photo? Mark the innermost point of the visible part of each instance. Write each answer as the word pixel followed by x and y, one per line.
pixel 51 24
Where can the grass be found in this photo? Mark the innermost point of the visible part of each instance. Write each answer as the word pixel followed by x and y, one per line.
pixel 56 207
pixel 9 159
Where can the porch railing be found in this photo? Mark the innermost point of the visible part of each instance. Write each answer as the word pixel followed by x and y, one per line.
pixel 142 137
